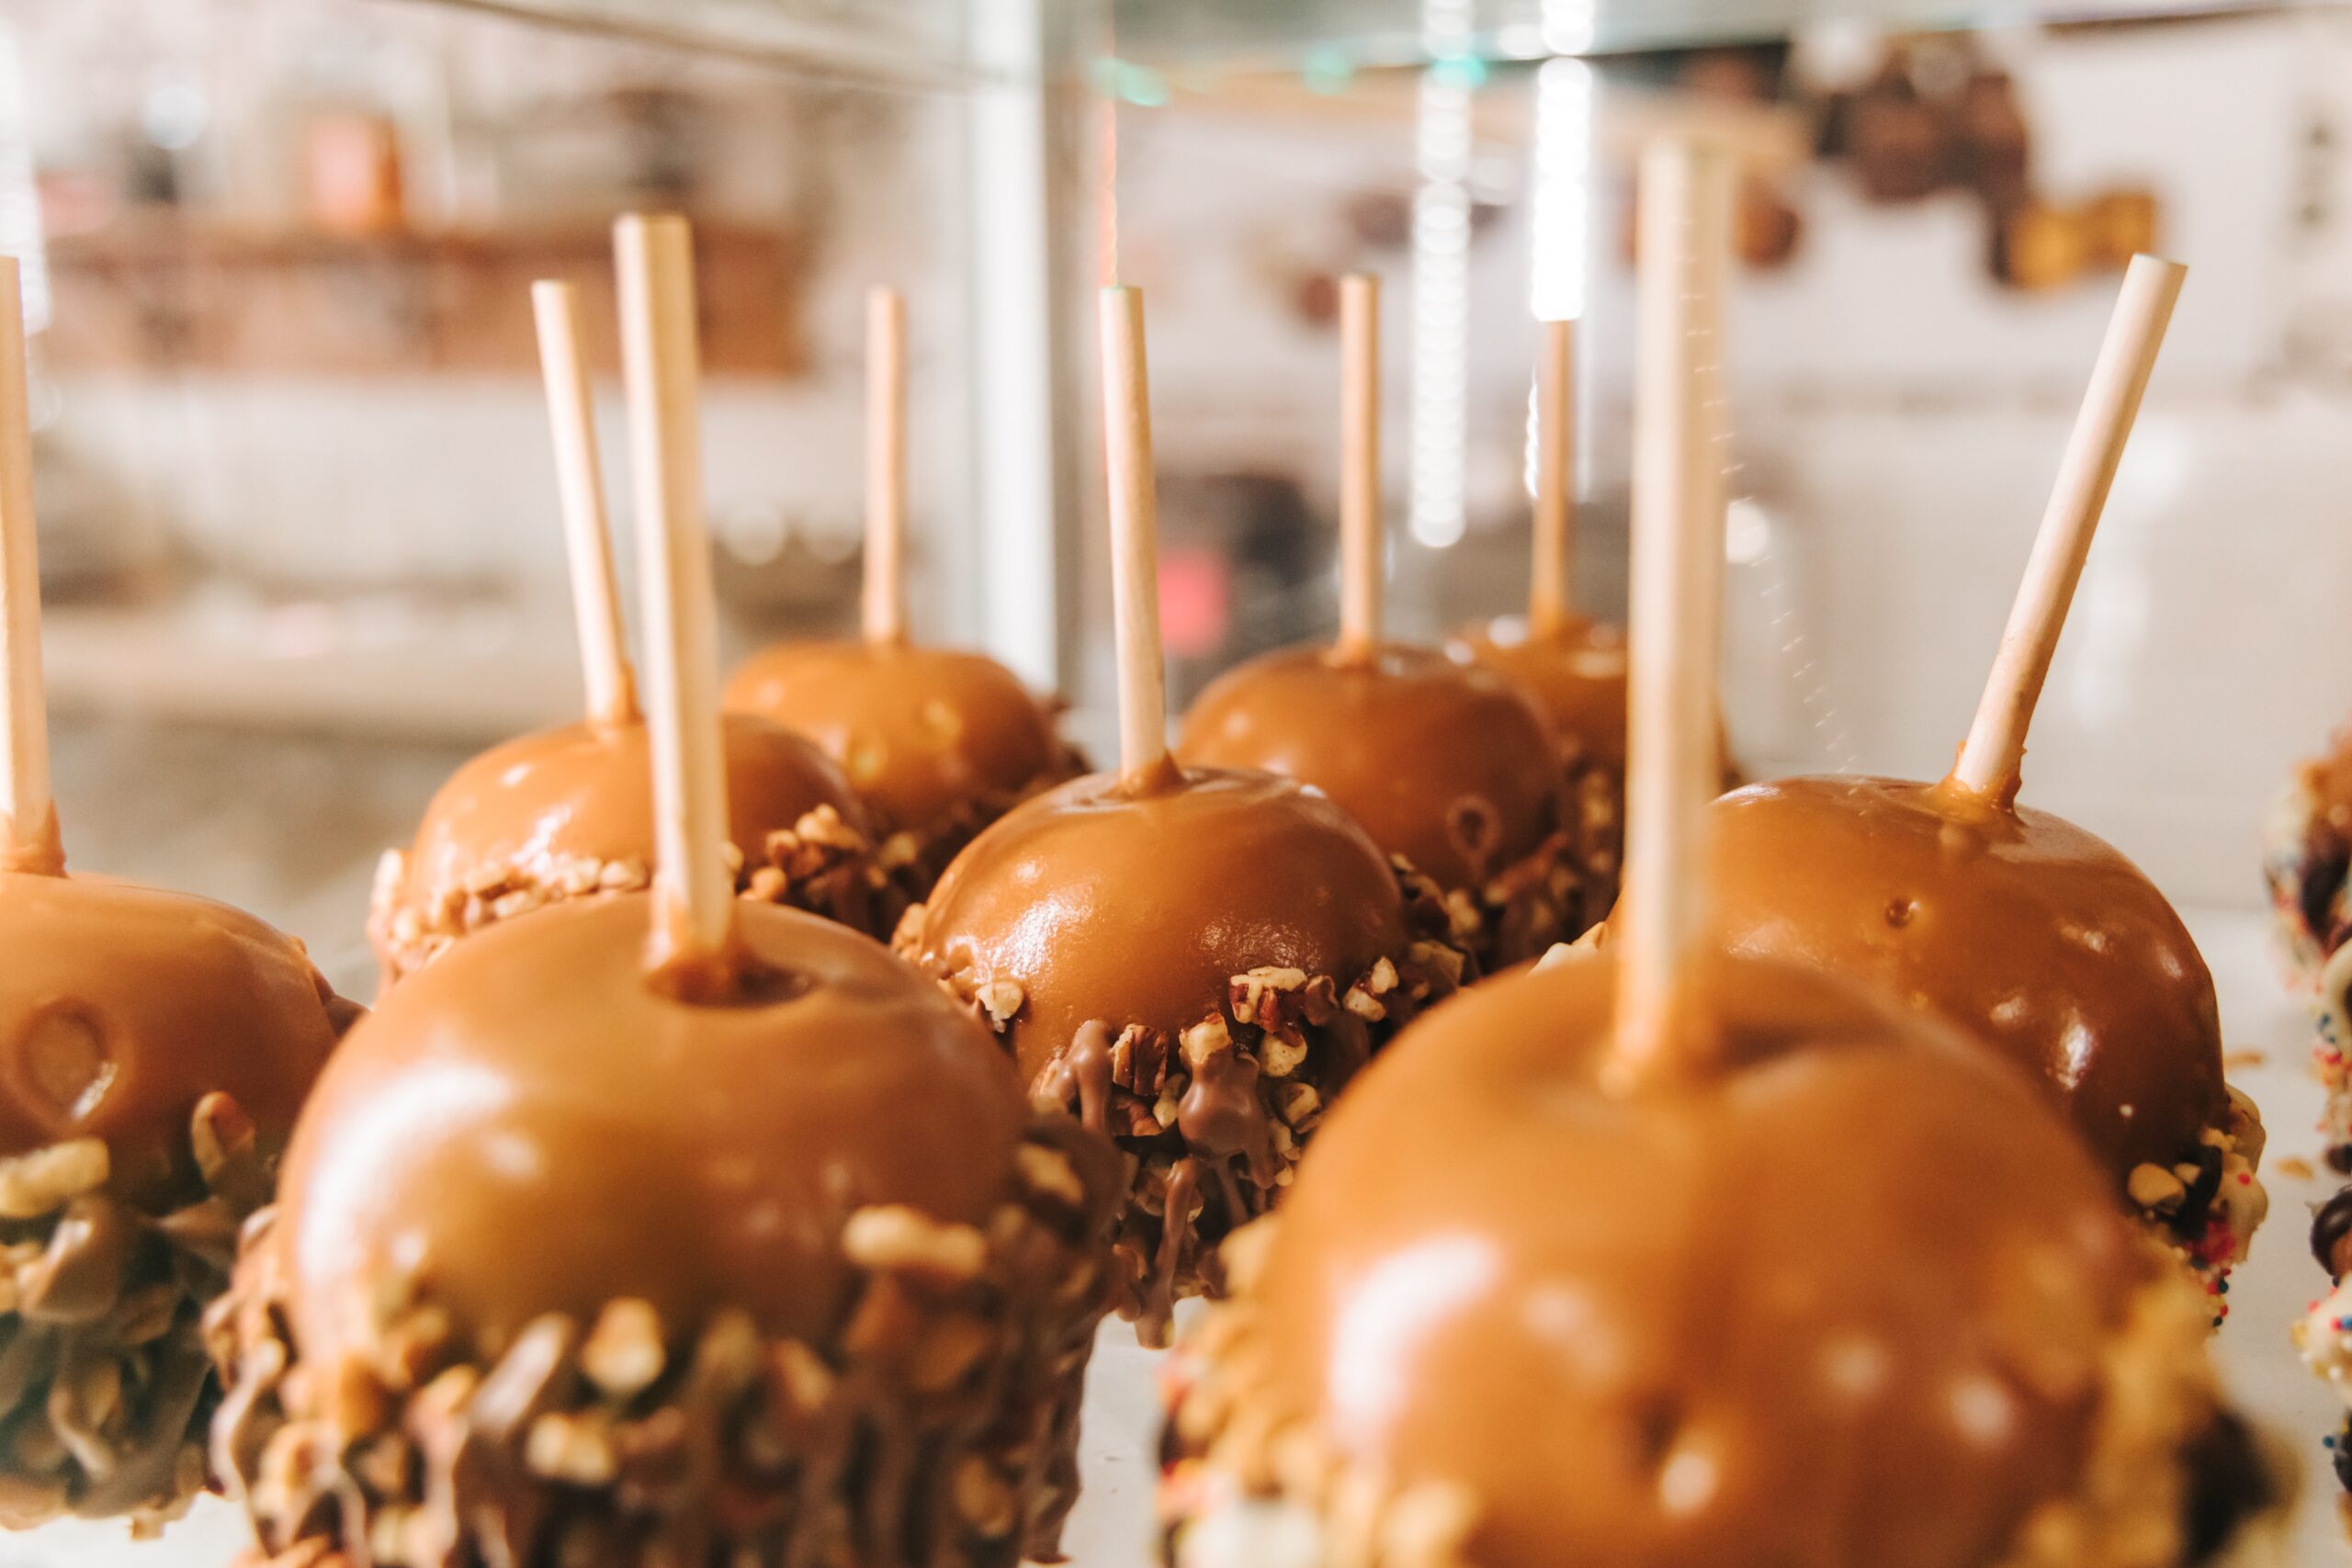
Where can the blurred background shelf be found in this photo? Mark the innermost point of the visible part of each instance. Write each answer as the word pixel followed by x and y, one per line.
pixel 1325 34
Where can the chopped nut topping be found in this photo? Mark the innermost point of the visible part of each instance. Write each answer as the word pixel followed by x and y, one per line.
pixel 45 1180
pixel 983 1498
pixel 1206 1039
pixel 574 1449
pixel 1049 1172
pixel 2154 1187
pixel 623 1354
pixel 1001 1000
pixel 894 1237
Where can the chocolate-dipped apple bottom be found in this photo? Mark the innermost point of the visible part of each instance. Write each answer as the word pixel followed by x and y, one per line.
pixel 1841 1291
pixel 1576 671
pixel 2307 860
pixel 568 813
pixel 155 1049
pixel 1195 962
pixel 2033 936
pixel 937 742
pixel 1452 768
pixel 567 1268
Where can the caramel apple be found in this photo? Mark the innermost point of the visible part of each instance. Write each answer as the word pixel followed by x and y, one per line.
pixel 1573 667
pixel 620 1276
pixel 2029 933
pixel 2038 939
pixel 154 1048
pixel 936 742
pixel 1195 966
pixel 1659 1255
pixel 674 1229
pixel 1193 960
pixel 568 813
pixel 1452 768
pixel 1842 1282
pixel 939 743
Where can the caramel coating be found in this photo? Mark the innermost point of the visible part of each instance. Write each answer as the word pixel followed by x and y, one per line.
pixel 586 791
pixel 121 1006
pixel 923 733
pixel 527 1126
pixel 2025 930
pixel 1841 1297
pixel 1577 673
pixel 1118 906
pixel 1453 767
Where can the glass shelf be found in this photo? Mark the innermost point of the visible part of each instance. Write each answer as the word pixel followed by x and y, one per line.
pixel 1325 35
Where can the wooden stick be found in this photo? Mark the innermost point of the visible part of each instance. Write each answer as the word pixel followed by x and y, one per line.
pixel 1995 745
pixel 1360 562
pixel 1144 761
pixel 1551 595
pixel 1676 612
pixel 29 836
pixel 693 892
pixel 588 539
pixel 886 467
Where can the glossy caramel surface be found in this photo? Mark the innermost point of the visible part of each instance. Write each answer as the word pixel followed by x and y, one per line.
pixel 586 792
pixel 1116 907
pixel 1577 673
pixel 921 731
pixel 527 1126
pixel 1842 1300
pixel 122 1006
pixel 2016 925
pixel 1449 765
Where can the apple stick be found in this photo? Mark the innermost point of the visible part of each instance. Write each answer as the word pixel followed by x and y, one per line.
pixel 29 836
pixel 1144 760
pixel 1360 560
pixel 1677 610
pixel 1995 745
pixel 693 893
pixel 1550 593
pixel 588 540
pixel 886 467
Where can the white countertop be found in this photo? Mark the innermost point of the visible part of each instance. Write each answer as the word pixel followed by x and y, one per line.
pixel 1113 1525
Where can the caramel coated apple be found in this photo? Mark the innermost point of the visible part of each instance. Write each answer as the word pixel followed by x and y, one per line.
pixel 1839 1280
pixel 1195 964
pixel 569 813
pixel 2026 933
pixel 1452 767
pixel 939 743
pixel 816 1214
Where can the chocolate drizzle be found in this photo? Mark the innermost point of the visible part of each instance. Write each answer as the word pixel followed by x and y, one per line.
pixel 105 1386
pixel 2331 1235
